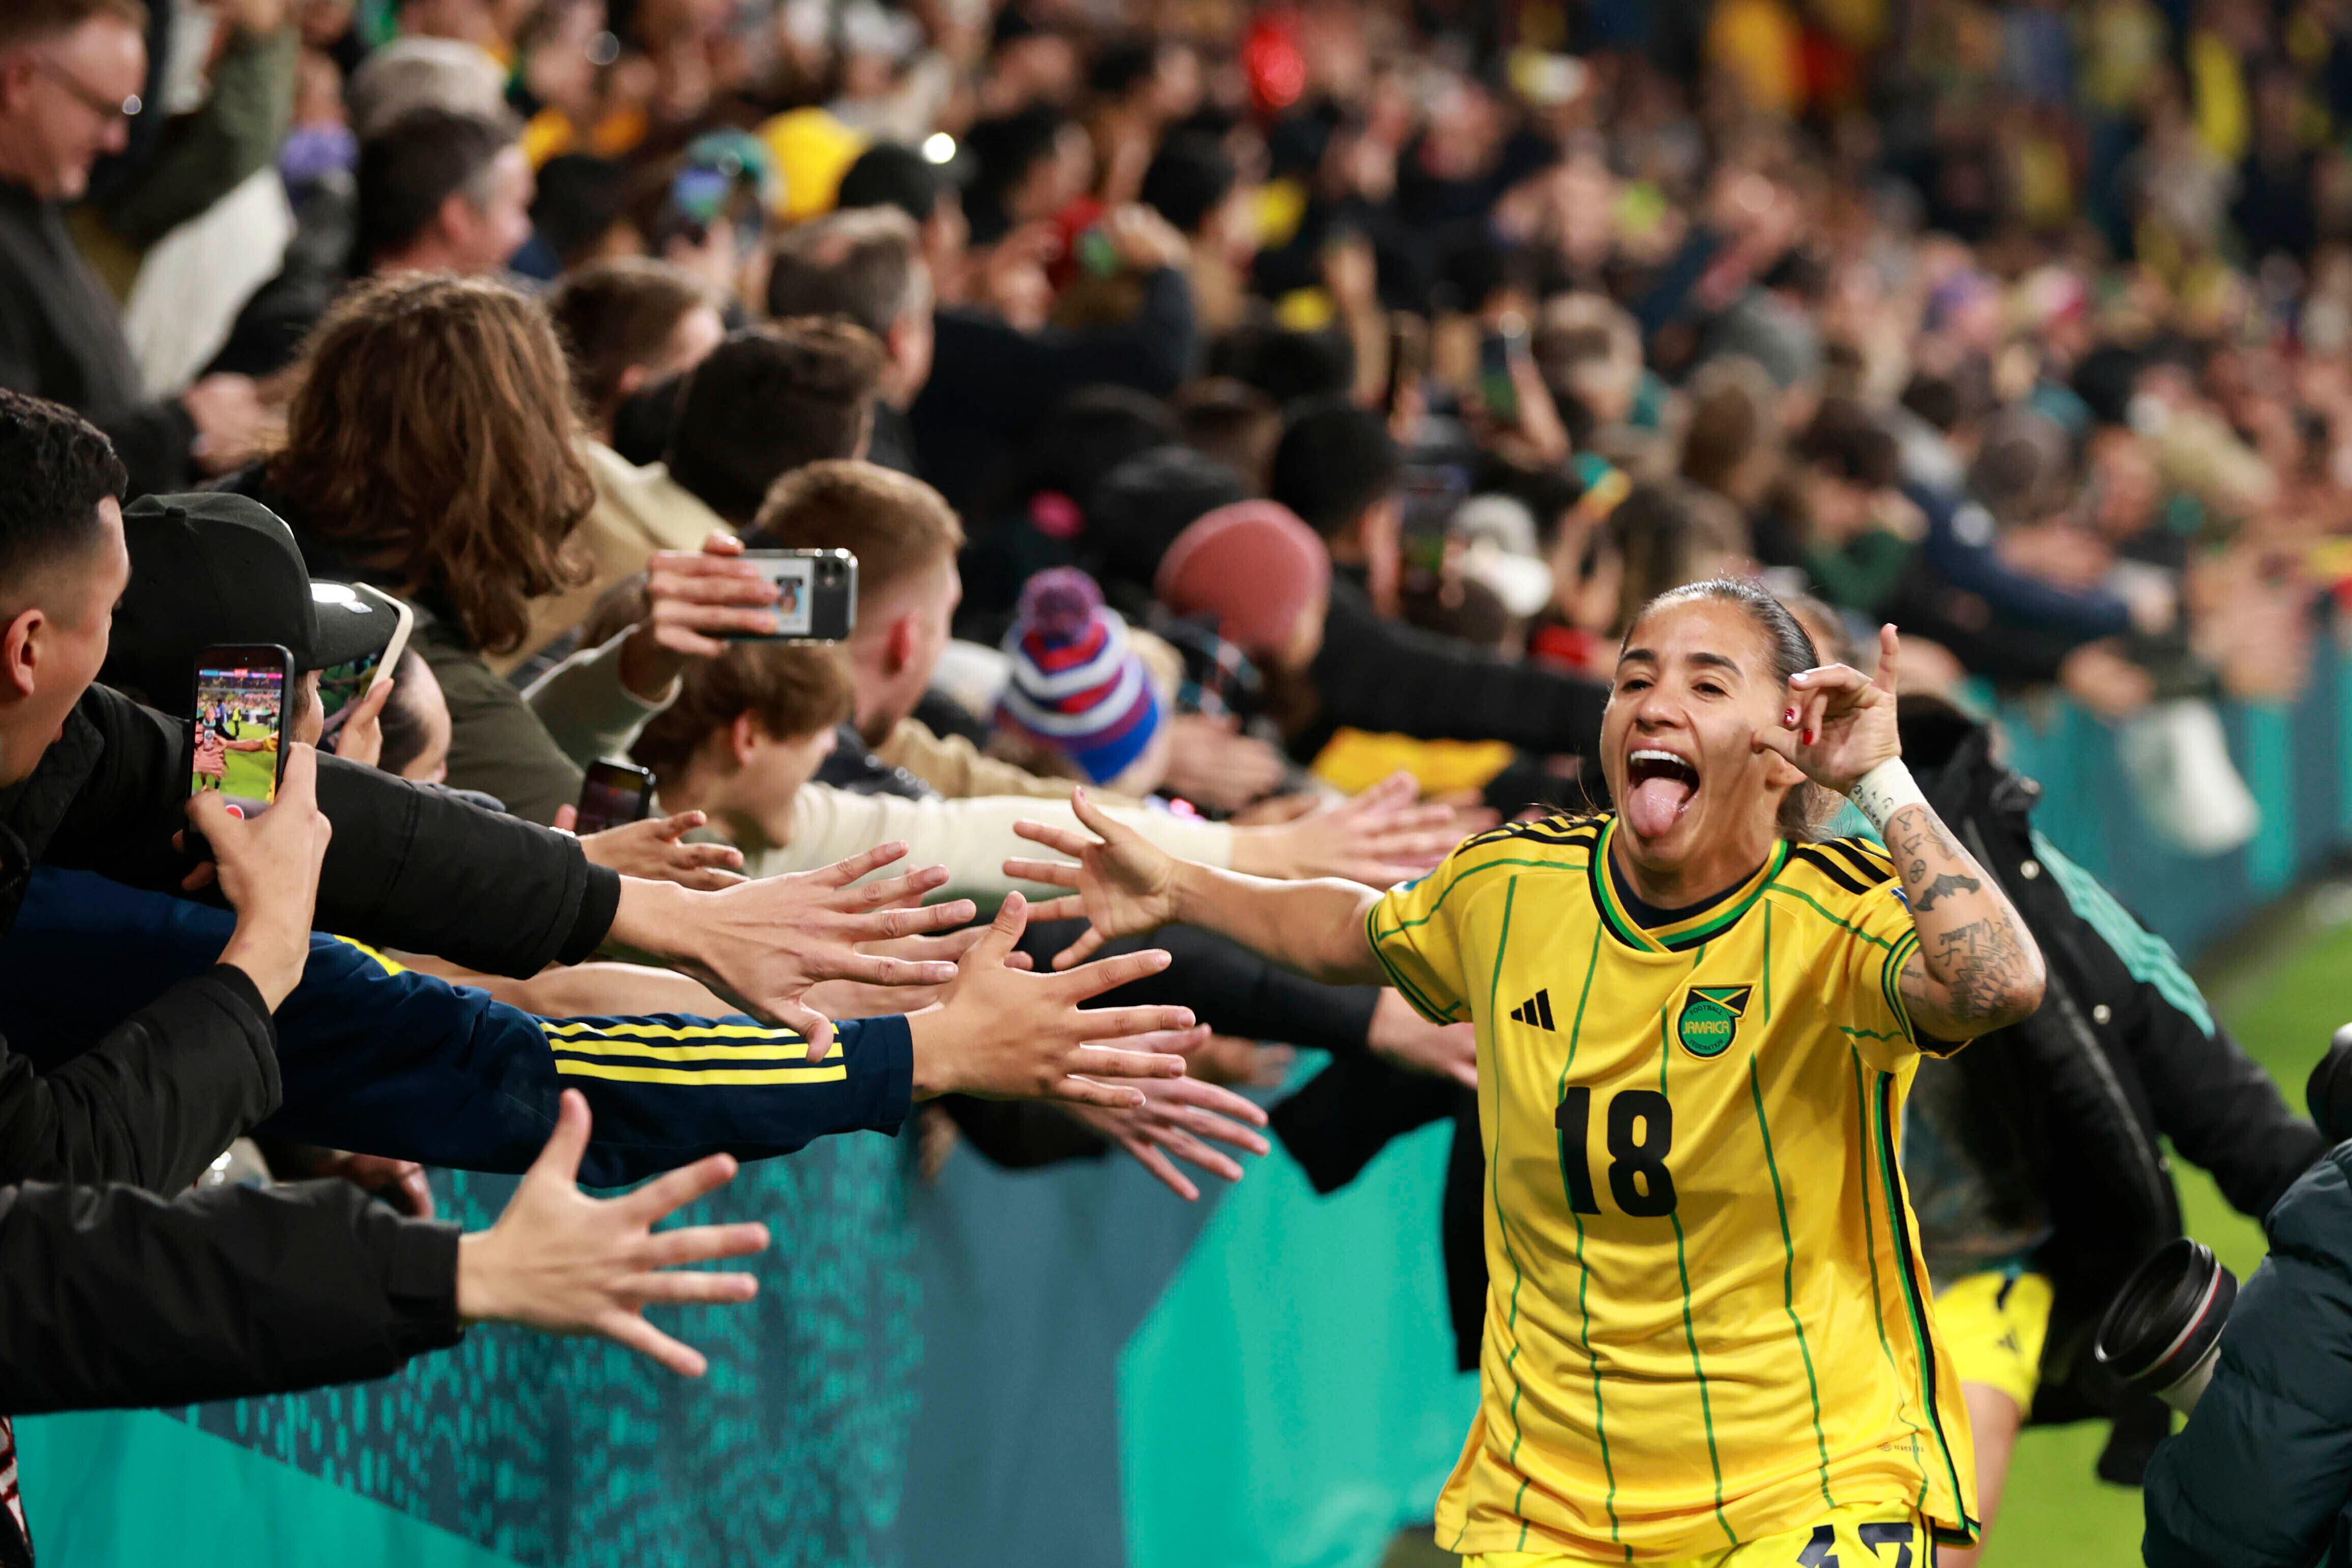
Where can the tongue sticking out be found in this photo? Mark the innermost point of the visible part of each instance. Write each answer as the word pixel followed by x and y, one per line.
pixel 1653 804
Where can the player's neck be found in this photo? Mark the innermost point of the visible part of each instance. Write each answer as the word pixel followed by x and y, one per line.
pixel 1724 863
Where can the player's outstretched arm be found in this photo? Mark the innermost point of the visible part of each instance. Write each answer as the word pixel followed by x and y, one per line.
pixel 1124 886
pixel 1978 968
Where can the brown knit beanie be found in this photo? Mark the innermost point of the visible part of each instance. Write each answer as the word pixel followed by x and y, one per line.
pixel 1254 566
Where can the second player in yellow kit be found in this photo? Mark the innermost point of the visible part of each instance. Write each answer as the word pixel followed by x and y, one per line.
pixel 1705 1315
pixel 1708 1335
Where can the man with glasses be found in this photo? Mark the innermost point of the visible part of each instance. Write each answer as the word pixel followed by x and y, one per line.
pixel 70 76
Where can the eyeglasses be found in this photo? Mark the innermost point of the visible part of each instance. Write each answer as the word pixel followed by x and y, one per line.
pixel 97 102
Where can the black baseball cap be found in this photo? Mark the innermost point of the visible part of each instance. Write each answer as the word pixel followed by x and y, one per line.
pixel 209 569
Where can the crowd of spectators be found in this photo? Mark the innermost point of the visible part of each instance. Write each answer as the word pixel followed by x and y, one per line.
pixel 2020 325
pixel 1266 415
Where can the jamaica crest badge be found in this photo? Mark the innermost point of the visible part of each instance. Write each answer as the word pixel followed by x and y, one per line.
pixel 1711 1018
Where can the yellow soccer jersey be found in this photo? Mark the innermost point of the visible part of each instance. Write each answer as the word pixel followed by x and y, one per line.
pixel 1708 1320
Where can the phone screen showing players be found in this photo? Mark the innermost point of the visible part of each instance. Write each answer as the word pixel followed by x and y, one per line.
pixel 339 684
pixel 240 718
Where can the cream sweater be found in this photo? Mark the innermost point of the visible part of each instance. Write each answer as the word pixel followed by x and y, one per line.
pixel 973 838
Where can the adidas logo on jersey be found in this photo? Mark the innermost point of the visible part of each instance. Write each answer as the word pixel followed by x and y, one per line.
pixel 1536 1010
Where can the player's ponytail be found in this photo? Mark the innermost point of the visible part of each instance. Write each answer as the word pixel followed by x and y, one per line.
pixel 1805 808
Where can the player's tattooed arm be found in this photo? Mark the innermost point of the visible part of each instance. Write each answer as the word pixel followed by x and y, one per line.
pixel 1976 968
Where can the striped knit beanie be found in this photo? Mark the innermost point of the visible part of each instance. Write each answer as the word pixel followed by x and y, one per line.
pixel 1077 687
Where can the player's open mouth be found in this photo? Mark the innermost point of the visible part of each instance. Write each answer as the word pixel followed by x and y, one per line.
pixel 1659 787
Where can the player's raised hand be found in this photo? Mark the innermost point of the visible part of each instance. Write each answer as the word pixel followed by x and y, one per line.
pixel 1007 1034
pixel 565 1263
pixel 1121 882
pixel 1840 723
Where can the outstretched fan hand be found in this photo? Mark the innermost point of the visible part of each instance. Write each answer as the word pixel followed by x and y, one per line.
pixel 565 1263
pixel 1122 884
pixel 768 941
pixel 1004 1034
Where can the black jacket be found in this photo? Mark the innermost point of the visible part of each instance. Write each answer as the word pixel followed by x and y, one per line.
pixel 2120 1060
pixel 164 1091
pixel 992 384
pixel 112 1297
pixel 1379 674
pixel 2081 1095
pixel 2262 1474
pixel 116 1297
pixel 61 338
pixel 408 867
pixel 154 1099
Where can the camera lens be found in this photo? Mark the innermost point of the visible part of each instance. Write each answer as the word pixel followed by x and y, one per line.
pixel 2164 1328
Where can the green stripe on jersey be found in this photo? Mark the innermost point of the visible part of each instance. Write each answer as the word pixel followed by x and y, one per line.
pixel 1584 1275
pixel 1494 1195
pixel 1870 1248
pixel 1908 1270
pixel 1690 1332
pixel 1789 1279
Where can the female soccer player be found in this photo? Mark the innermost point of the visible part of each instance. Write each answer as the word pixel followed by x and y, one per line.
pixel 1709 1338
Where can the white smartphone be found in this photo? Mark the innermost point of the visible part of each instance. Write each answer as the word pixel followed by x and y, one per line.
pixel 816 593
pixel 342 685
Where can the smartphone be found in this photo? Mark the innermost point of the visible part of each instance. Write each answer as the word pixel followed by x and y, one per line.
pixel 240 724
pixel 341 685
pixel 1499 353
pixel 615 795
pixel 816 593
pixel 1431 492
pixel 1097 253
pixel 1408 357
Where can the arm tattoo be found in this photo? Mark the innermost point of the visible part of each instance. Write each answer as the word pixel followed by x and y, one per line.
pixel 1981 966
pixel 1912 836
pixel 1945 882
pixel 1976 968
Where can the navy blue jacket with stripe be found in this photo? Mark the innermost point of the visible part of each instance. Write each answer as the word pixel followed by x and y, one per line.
pixel 384 1060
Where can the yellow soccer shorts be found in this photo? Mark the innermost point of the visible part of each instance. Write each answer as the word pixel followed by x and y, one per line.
pixel 1862 1535
pixel 1992 1325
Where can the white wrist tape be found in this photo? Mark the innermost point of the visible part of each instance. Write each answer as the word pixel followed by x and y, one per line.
pixel 1886 790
